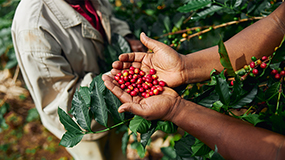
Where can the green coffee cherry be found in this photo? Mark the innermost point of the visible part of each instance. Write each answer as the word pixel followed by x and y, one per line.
pixel 253 58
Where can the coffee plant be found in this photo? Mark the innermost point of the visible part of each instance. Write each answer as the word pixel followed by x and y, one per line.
pixel 253 93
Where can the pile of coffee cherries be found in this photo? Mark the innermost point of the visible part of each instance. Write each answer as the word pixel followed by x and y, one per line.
pixel 137 83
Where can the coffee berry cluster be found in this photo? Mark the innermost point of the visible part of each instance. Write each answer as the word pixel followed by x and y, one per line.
pixel 257 66
pixel 136 82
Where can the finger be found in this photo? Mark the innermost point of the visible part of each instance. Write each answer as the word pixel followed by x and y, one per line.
pixel 130 107
pixel 152 44
pixel 132 57
pixel 106 77
pixel 117 91
pixel 117 65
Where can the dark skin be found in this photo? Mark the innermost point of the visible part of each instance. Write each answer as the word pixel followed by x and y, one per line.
pixel 136 45
pixel 234 138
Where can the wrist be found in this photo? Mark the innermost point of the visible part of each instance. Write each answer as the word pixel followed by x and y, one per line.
pixel 178 111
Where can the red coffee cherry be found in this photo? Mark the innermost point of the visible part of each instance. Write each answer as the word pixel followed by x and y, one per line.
pixel 162 83
pixel 264 58
pixel 152 71
pixel 134 93
pixel 277 76
pixel 123 86
pixel 263 65
pixel 252 64
pixel 128 90
pixel 132 68
pixel 142 73
pixel 126 73
pixel 131 87
pixel 274 71
pixel 155 91
pixel 155 82
pixel 131 72
pixel 154 76
pixel 232 83
pixel 117 78
pixel 255 71
pixel 136 70
pixel 127 83
pixel 121 81
pixel 160 88
pixel 282 73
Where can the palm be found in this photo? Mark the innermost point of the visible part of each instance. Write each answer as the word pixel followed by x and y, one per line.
pixel 154 107
pixel 166 61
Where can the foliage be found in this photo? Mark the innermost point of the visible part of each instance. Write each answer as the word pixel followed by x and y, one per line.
pixel 7 54
pixel 187 26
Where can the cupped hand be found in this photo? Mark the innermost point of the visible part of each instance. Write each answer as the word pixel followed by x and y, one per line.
pixel 160 106
pixel 168 64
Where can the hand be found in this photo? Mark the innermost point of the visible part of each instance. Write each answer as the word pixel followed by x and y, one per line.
pixel 167 62
pixel 160 106
pixel 136 45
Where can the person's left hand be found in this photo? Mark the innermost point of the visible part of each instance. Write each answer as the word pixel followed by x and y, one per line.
pixel 136 45
pixel 163 106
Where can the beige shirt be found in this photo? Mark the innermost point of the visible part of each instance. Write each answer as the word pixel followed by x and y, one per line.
pixel 57 50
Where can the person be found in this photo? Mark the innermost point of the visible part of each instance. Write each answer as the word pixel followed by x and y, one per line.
pixel 235 139
pixel 59 46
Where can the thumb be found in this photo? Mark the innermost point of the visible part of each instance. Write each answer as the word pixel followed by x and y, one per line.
pixel 130 107
pixel 151 43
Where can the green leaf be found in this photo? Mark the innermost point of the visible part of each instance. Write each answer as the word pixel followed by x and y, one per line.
pixel 120 44
pixel 85 94
pixel 146 137
pixel 178 20
pixel 125 140
pixel 207 12
pixel 140 149
pixel 222 88
pixel 225 60
pixel 183 146
pixel 237 3
pixel 100 83
pixel 139 124
pixel 70 139
pixel 252 118
pixel 216 155
pixel 199 148
pixel 166 22
pixel 67 122
pixel 98 105
pixel 80 111
pixel 248 98
pixel 168 152
pixel 194 5
pixel 272 90
pixel 166 126
pixel 217 106
pixel 113 104
pixel 209 100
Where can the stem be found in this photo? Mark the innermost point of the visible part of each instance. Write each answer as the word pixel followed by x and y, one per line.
pixel 247 110
pixel 109 128
pixel 279 95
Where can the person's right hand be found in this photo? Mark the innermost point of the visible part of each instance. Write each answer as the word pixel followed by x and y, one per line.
pixel 163 106
pixel 168 64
